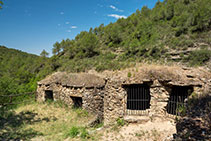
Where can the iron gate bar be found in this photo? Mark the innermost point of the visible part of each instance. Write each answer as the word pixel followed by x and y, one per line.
pixel 177 99
pixel 138 98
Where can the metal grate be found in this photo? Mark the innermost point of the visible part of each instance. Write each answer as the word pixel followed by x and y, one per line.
pixel 138 99
pixel 177 99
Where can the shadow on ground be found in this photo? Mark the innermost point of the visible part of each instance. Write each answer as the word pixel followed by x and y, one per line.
pixel 196 125
pixel 12 125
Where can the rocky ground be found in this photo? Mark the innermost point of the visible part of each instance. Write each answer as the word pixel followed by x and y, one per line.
pixel 156 130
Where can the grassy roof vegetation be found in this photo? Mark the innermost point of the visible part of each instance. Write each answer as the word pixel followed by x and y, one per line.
pixel 74 80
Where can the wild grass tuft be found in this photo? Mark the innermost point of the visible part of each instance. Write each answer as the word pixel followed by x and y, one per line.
pixel 84 134
pixel 120 122
pixel 80 112
pixel 73 132
pixel 129 74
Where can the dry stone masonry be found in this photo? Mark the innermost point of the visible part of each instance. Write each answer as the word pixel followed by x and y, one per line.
pixel 79 90
pixel 148 92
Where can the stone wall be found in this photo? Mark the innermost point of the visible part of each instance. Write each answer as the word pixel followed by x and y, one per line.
pixel 114 101
pixel 109 103
pixel 93 101
pixel 92 98
pixel 41 92
pixel 159 98
pixel 116 98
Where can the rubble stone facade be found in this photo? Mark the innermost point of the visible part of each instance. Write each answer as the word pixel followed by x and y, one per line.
pixel 91 97
pixel 108 99
pixel 115 100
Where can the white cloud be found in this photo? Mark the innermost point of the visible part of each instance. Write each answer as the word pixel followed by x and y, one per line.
pixel 69 31
pixel 61 13
pixel 73 27
pixel 67 22
pixel 115 8
pixel 117 16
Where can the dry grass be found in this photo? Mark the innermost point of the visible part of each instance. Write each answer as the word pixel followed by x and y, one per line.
pixel 45 121
pixel 166 72
pixel 55 122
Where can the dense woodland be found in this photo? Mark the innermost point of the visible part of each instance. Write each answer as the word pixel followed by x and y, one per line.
pixel 19 71
pixel 147 35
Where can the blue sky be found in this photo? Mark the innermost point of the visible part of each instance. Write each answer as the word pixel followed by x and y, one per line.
pixel 34 25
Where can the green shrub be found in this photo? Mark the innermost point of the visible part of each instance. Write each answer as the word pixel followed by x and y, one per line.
pixel 129 74
pixel 181 110
pixel 120 122
pixel 110 44
pixel 84 134
pixel 108 65
pixel 73 132
pixel 198 57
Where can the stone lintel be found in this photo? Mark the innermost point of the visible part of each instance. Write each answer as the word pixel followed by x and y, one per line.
pixel 192 84
pixel 75 95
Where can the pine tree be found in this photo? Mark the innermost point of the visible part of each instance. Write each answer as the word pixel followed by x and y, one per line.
pixel 56 48
pixel 44 54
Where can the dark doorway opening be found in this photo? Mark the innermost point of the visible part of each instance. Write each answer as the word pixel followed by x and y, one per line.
pixel 177 99
pixel 77 102
pixel 48 95
pixel 138 97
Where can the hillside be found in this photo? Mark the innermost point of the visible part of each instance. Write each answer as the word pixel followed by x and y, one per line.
pixel 173 31
pixel 149 45
pixel 160 35
pixel 19 71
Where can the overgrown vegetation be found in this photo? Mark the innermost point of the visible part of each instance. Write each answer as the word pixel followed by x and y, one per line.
pixel 120 122
pixel 43 121
pixel 198 57
pixel 74 131
pixel 81 132
pixel 146 35
pixel 20 71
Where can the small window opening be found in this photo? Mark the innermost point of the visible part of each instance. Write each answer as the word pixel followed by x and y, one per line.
pixel 177 99
pixel 77 102
pixel 138 98
pixel 48 95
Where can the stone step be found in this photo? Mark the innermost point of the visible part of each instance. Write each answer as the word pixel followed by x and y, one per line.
pixel 136 119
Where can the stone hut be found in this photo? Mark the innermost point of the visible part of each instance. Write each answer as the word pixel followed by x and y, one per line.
pixel 77 90
pixel 138 93
pixel 147 93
